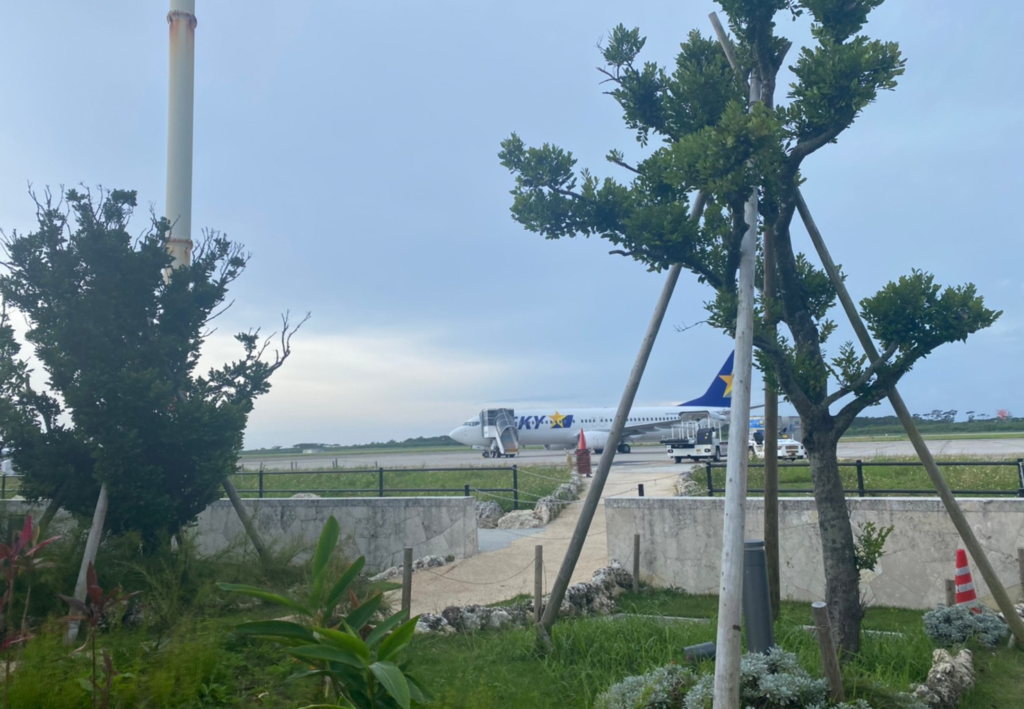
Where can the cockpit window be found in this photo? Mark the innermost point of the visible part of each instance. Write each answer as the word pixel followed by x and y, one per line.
pixel 472 422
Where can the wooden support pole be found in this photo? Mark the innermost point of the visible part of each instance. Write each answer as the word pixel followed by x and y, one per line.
pixel 730 586
pixel 829 661
pixel 1020 568
pixel 995 586
pixel 950 593
pixel 247 523
pixel 407 581
pixel 579 535
pixel 538 582
pixel 636 563
pixel 92 546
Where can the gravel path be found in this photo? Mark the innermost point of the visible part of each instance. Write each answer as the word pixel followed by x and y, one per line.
pixel 495 576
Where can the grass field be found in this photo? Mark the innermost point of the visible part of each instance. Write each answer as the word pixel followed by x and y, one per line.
pixel 534 483
pixel 980 476
pixel 504 670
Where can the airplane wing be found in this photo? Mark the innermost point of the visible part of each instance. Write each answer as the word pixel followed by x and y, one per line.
pixel 639 429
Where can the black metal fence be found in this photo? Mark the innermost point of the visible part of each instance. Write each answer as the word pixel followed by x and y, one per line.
pixel 4 483
pixel 381 490
pixel 863 491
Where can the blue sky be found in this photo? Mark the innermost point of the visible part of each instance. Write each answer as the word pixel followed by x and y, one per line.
pixel 351 146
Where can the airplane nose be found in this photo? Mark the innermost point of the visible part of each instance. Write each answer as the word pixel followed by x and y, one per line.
pixel 458 434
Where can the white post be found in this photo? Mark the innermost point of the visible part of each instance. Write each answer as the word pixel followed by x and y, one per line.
pixel 730 589
pixel 182 21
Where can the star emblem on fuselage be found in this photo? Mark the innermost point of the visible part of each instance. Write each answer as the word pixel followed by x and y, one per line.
pixel 557 420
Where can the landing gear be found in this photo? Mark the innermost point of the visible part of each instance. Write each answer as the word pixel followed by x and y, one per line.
pixel 599 451
pixel 624 448
pixel 487 454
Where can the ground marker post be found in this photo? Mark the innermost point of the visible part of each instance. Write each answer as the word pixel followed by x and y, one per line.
pixel 538 581
pixel 950 593
pixel 407 582
pixel 640 489
pixel 515 487
pixel 380 482
pixel 261 480
pixel 636 563
pixel 829 661
pixel 860 478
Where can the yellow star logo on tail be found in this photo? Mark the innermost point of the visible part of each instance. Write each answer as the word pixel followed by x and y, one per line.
pixel 727 378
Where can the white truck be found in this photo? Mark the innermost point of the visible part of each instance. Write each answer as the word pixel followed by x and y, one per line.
pixel 695 439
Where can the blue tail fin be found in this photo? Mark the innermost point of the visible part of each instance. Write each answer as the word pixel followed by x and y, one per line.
pixel 719 394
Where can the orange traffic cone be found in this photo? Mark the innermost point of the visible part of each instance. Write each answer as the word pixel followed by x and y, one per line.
pixel 583 442
pixel 964 583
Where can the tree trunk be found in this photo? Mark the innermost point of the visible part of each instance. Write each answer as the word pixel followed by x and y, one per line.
pixel 842 589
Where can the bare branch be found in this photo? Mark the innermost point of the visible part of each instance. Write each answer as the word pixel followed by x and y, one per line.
pixel 686 327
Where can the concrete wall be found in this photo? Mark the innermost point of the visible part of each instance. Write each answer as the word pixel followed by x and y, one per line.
pixel 377 528
pixel 681 542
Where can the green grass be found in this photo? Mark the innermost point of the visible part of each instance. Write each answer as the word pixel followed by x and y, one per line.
pixel 880 438
pixel 504 670
pixel 534 483
pixel 981 476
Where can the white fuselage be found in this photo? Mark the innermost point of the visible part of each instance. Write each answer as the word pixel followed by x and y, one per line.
pixel 542 427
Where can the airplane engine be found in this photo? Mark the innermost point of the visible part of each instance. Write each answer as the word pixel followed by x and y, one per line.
pixel 596 440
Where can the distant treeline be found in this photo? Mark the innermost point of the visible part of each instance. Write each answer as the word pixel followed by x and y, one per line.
pixel 881 425
pixel 418 442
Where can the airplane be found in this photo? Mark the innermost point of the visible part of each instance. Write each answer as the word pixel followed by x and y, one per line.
pixel 562 430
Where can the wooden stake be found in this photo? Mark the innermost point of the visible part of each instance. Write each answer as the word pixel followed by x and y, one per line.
pixel 538 581
pixel 407 581
pixel 636 563
pixel 247 523
pixel 970 541
pixel 950 593
pixel 1020 567
pixel 579 535
pixel 829 661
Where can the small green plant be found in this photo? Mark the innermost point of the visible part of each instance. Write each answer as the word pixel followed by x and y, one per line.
pixel 95 611
pixel 358 661
pixel 869 544
pixel 955 625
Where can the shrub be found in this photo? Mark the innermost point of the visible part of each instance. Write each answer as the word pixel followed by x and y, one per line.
pixel 662 688
pixel 954 625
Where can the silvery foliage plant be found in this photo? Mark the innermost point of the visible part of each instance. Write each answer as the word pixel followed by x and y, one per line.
pixel 954 625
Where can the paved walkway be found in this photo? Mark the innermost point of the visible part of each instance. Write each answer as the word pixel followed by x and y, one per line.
pixel 495 576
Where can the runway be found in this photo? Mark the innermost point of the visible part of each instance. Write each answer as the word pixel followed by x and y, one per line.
pixel 645 457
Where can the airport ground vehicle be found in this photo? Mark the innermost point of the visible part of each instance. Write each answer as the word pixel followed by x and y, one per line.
pixel 696 438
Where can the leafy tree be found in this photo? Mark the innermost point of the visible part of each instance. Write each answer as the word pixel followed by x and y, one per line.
pixel 118 335
pixel 697 134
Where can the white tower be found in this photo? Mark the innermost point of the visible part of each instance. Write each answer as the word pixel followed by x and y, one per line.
pixel 182 21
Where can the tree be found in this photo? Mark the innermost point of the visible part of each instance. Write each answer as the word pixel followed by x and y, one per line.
pixel 118 335
pixel 704 138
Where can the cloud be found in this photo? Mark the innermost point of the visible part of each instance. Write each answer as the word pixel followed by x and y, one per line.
pixel 370 385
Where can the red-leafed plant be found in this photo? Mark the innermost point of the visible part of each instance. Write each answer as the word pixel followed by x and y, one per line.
pixel 93 611
pixel 17 558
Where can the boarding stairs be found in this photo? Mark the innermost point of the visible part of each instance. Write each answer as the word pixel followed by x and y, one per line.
pixel 499 426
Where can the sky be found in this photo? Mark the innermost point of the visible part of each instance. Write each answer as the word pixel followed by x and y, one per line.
pixel 352 147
